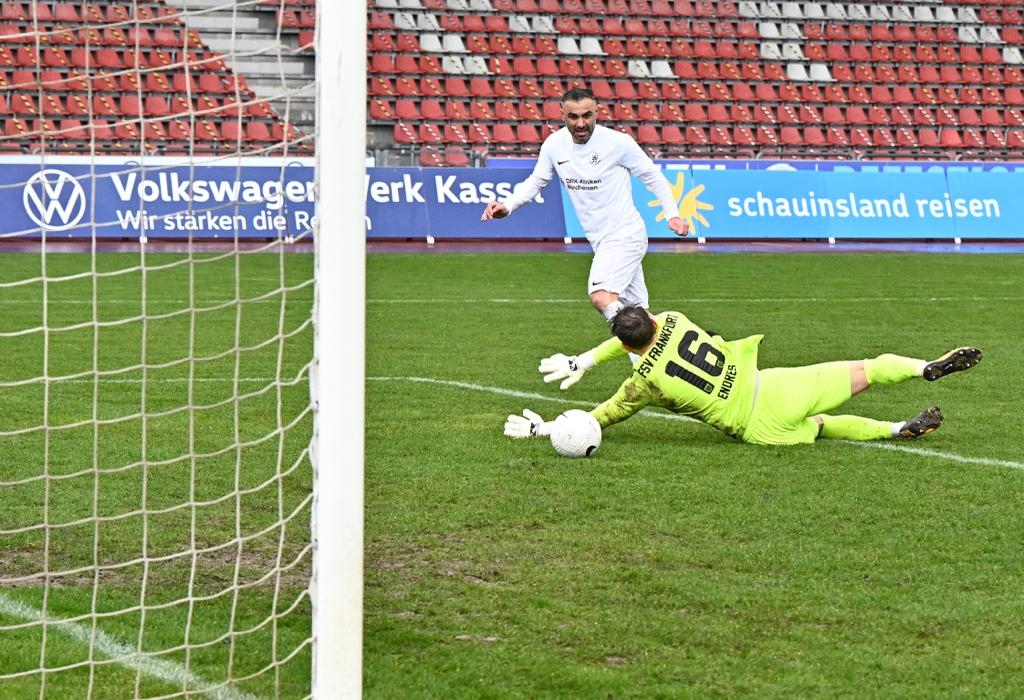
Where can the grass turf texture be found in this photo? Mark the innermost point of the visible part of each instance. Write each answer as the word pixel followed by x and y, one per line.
pixel 112 477
pixel 677 562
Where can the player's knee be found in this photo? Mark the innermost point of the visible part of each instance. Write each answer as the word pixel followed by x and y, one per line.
pixel 601 299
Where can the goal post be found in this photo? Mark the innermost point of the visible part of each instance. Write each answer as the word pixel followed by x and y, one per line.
pixel 340 353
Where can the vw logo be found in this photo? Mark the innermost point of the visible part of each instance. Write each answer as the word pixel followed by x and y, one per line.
pixel 54 199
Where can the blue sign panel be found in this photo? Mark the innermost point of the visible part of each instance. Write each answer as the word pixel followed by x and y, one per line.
pixel 448 202
pixel 395 204
pixel 785 203
pixel 111 197
pixel 985 205
pixel 802 204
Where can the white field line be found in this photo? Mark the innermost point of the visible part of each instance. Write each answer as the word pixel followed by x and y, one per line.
pixel 892 447
pixel 122 654
pixel 667 302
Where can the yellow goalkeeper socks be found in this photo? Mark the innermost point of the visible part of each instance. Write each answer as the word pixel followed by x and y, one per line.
pixel 892 369
pixel 854 428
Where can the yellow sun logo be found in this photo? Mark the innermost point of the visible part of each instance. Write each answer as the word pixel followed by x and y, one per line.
pixel 690 207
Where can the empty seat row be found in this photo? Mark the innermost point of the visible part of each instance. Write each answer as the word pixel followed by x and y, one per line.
pixel 90 12
pixel 671 137
pixel 179 83
pixel 80 57
pixel 175 130
pixel 127 105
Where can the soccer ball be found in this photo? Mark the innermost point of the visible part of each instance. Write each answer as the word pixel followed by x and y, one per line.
pixel 576 433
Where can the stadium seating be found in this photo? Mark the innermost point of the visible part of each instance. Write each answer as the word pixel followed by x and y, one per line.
pixel 86 75
pixel 794 79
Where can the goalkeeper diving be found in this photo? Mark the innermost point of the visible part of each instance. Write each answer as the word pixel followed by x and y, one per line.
pixel 699 374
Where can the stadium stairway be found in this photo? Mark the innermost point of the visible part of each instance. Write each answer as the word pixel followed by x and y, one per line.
pixel 254 45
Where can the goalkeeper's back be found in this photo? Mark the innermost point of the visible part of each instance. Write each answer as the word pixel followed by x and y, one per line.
pixel 689 371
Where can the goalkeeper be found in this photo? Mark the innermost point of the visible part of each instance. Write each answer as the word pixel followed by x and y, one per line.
pixel 693 372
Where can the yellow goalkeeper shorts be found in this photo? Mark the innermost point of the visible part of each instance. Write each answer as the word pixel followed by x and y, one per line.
pixel 787 397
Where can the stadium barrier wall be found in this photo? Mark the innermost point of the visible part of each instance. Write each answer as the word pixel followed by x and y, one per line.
pixel 764 199
pixel 120 197
pixel 161 197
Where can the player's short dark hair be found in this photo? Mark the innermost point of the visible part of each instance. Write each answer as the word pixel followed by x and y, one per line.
pixel 577 94
pixel 633 326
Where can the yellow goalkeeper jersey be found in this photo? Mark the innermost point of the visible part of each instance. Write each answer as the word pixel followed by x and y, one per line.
pixel 689 372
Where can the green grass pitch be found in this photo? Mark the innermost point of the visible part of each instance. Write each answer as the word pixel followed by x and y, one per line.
pixel 677 562
pixel 150 503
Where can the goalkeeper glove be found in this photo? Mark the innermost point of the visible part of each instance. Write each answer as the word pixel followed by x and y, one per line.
pixel 569 369
pixel 527 425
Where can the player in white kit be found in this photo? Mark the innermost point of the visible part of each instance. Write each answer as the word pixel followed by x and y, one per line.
pixel 594 164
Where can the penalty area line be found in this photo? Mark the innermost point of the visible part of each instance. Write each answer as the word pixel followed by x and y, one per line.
pixel 921 452
pixel 951 456
pixel 170 671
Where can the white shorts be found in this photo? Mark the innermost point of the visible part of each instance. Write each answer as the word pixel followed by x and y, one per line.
pixel 617 268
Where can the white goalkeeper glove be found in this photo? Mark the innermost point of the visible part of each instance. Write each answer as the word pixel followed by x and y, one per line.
pixel 568 368
pixel 527 425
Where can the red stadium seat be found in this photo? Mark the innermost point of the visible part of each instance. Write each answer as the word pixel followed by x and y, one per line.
pixel 928 138
pixel 995 139
pixel 790 136
pixel 905 138
pixel 767 136
pixel 742 136
pixel 950 138
pixel 836 136
pixel 672 135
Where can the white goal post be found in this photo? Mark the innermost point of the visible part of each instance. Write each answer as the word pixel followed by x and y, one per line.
pixel 182 317
pixel 341 157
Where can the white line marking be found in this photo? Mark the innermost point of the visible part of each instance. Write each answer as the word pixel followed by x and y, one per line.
pixel 935 454
pixel 666 302
pixel 122 654
pixel 951 456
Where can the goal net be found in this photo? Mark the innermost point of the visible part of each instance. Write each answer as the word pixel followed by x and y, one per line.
pixel 158 451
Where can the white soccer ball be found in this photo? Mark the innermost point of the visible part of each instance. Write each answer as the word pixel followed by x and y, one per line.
pixel 576 433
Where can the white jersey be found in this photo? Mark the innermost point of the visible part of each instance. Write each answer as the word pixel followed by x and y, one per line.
pixel 596 176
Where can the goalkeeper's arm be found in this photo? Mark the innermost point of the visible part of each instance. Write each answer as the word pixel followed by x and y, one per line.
pixel 571 368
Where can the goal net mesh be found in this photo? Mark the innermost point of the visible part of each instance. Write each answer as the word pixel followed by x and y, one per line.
pixel 156 301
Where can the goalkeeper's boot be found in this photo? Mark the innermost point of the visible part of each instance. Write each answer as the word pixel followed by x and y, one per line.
pixel 926 422
pixel 953 361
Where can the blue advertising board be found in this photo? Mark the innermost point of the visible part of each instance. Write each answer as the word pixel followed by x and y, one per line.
pixel 174 198
pixel 767 204
pixel 802 199
pixel 113 197
pixel 985 204
pixel 448 202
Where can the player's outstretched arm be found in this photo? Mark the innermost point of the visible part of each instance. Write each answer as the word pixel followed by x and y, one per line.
pixel 569 368
pixel 679 226
pixel 527 425
pixel 494 210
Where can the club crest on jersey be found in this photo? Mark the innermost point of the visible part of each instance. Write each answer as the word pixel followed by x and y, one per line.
pixel 595 159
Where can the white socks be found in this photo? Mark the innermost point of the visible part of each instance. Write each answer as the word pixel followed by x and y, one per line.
pixel 612 309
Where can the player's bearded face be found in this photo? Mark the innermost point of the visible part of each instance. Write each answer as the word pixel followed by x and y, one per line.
pixel 580 119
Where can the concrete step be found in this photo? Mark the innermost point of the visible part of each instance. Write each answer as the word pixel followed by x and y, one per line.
pixel 251 45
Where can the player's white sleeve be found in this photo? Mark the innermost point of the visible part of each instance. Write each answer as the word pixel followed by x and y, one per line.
pixel 648 172
pixel 529 188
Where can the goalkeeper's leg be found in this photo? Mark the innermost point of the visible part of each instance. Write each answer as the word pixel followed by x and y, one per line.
pixel 860 428
pixel 893 369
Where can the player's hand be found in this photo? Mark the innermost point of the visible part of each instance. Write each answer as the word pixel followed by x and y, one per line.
pixel 679 226
pixel 494 210
pixel 527 425
pixel 561 366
